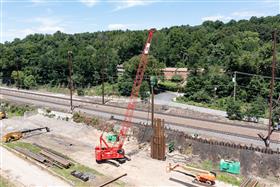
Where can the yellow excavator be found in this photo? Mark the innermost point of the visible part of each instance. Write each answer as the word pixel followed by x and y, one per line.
pixel 2 115
pixel 200 176
pixel 14 136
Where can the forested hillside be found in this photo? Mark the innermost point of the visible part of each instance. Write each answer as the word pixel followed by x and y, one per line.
pixel 212 51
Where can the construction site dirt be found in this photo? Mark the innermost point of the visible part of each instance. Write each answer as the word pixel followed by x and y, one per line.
pixel 77 141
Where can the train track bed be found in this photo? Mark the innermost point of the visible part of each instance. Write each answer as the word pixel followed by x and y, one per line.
pixel 141 106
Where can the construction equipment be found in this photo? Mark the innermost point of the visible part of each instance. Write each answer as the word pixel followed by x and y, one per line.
pixel 14 136
pixel 116 151
pixel 2 115
pixel 199 175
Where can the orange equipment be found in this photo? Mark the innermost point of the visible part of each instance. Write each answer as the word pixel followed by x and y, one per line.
pixel 199 175
pixel 14 136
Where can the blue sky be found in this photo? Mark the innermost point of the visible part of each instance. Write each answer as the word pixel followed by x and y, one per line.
pixel 22 17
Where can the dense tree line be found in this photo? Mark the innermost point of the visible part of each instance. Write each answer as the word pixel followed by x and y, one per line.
pixel 212 51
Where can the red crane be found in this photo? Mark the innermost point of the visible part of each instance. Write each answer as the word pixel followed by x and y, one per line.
pixel 116 151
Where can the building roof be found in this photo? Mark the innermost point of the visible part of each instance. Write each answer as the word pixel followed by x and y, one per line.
pixel 175 69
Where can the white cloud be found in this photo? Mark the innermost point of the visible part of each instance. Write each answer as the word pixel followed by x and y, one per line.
pixel 48 25
pixel 234 15
pixel 17 33
pixel 246 14
pixel 89 3
pixel 132 3
pixel 217 17
pixel 44 25
pixel 119 26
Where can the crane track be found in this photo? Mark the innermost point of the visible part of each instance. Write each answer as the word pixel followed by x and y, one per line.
pixel 142 118
pixel 122 107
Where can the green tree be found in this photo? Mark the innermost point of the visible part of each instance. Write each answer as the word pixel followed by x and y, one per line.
pixel 126 81
pixel 234 110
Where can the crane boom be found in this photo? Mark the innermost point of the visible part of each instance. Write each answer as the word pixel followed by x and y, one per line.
pixel 117 152
pixel 135 89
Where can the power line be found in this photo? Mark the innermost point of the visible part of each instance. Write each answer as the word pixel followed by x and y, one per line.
pixel 250 74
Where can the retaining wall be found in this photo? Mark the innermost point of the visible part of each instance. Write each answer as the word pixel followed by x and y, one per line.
pixel 254 160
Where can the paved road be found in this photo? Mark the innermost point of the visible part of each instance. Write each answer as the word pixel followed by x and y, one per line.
pixel 219 130
pixel 23 172
pixel 167 98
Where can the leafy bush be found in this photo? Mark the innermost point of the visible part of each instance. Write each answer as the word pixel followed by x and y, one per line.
pixel 177 78
pixel 200 96
pixel 29 82
pixel 234 110
pixel 168 85
pixel 80 92
pixel 255 110
pixel 78 117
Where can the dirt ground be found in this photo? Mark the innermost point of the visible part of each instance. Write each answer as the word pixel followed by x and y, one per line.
pixel 23 173
pixel 78 141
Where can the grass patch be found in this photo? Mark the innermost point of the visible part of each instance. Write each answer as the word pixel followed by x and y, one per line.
pixel 54 89
pixel 227 178
pixel 205 165
pixel 15 110
pixel 24 145
pixel 5 183
pixel 66 173
pixel 219 104
pixel 109 89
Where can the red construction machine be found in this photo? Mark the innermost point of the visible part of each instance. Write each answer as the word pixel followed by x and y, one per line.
pixel 105 151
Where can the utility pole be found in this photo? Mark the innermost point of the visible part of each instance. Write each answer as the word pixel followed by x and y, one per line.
pixel 153 83
pixel 153 110
pixel 102 74
pixel 70 79
pixel 234 92
pixel 17 61
pixel 272 87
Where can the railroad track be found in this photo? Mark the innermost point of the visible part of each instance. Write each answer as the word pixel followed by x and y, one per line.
pixel 116 110
pixel 85 101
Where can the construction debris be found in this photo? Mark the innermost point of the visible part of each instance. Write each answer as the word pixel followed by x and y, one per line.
pixel 83 176
pixel 112 180
pixel 158 140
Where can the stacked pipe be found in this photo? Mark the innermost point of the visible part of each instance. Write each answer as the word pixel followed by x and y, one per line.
pixel 158 140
